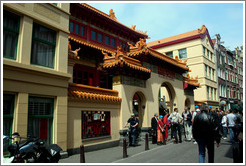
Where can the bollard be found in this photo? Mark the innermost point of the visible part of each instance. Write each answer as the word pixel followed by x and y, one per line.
pixel 82 154
pixel 146 142
pixel 124 149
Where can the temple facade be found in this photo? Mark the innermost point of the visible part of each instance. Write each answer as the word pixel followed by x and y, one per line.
pixel 94 74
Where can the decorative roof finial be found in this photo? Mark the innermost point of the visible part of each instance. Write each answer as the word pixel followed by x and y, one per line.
pixel 112 14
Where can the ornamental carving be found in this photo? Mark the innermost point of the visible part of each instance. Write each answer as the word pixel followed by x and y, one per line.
pixel 141 44
pixel 133 27
pixel 112 14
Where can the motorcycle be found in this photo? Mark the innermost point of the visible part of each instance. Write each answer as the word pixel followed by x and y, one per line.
pixel 32 151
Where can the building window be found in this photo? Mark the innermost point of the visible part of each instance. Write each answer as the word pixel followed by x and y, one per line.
pixel 207 53
pixel 71 27
pixel 182 54
pixel 206 71
pixel 100 37
pixel 107 40
pixel 204 51
pixel 112 43
pixel 209 72
pixel 43 46
pixel 40 118
pixel 212 93
pixel 8 112
pixel 82 31
pixel 213 75
pixel 208 92
pixel 10 34
pixel 93 35
pixel 77 28
pixel 170 54
pixel 212 56
pixel 215 94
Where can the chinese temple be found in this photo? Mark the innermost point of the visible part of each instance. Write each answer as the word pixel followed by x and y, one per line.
pixel 115 74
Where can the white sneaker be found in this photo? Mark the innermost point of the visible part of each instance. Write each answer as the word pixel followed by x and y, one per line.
pixel 224 138
pixel 194 142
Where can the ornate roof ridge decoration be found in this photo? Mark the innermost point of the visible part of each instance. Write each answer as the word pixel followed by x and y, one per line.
pixel 119 58
pixel 111 16
pixel 73 54
pixel 192 81
pixel 90 44
pixel 141 48
pixel 90 93
pixel 202 29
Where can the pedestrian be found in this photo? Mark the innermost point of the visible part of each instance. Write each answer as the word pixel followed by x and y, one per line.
pixel 231 121
pixel 205 131
pixel 175 120
pixel 133 129
pixel 160 131
pixel 196 112
pixel 187 123
pixel 224 125
pixel 154 122
pixel 166 123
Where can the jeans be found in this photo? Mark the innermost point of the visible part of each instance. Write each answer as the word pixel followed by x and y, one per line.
pixel 225 131
pixel 232 134
pixel 176 128
pixel 202 144
pixel 132 135
pixel 187 130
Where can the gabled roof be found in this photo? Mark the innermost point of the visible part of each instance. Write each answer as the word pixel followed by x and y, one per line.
pixel 112 17
pixel 198 33
pixel 141 49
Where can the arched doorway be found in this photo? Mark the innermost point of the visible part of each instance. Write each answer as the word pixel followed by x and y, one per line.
pixel 187 102
pixel 167 98
pixel 138 106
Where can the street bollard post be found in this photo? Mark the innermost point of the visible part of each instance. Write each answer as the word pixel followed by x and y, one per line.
pixel 82 154
pixel 124 149
pixel 146 141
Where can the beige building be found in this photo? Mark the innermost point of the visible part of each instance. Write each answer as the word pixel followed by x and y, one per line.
pixel 35 77
pixel 197 49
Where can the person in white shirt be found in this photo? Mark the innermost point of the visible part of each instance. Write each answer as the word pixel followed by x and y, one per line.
pixel 197 111
pixel 231 121
pixel 224 125
pixel 175 119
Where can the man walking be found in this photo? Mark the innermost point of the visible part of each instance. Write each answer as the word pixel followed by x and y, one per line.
pixel 231 121
pixel 175 120
pixel 133 129
pixel 154 122
pixel 187 123
pixel 205 131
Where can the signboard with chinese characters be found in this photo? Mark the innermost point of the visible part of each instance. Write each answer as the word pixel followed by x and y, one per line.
pixel 95 124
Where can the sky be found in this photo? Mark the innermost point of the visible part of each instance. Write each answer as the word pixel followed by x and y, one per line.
pixel 166 19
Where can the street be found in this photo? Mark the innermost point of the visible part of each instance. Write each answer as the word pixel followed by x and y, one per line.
pixel 186 152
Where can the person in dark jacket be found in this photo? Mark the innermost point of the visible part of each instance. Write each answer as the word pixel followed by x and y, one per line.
pixel 205 131
pixel 154 121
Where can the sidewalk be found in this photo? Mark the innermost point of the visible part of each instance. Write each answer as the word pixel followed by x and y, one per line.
pixel 110 155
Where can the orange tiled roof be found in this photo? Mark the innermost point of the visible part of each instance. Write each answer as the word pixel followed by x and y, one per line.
pixel 192 81
pixel 112 17
pixel 198 31
pixel 141 48
pixel 119 59
pixel 90 44
pixel 90 93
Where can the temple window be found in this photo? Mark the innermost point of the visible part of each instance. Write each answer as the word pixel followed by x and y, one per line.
pixel 107 40
pixel 82 31
pixel 77 28
pixel 93 35
pixel 112 43
pixel 71 26
pixel 100 37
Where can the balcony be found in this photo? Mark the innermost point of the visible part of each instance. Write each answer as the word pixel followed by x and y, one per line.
pixel 90 93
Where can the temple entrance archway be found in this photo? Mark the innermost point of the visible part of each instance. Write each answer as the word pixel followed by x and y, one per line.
pixel 138 106
pixel 167 98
